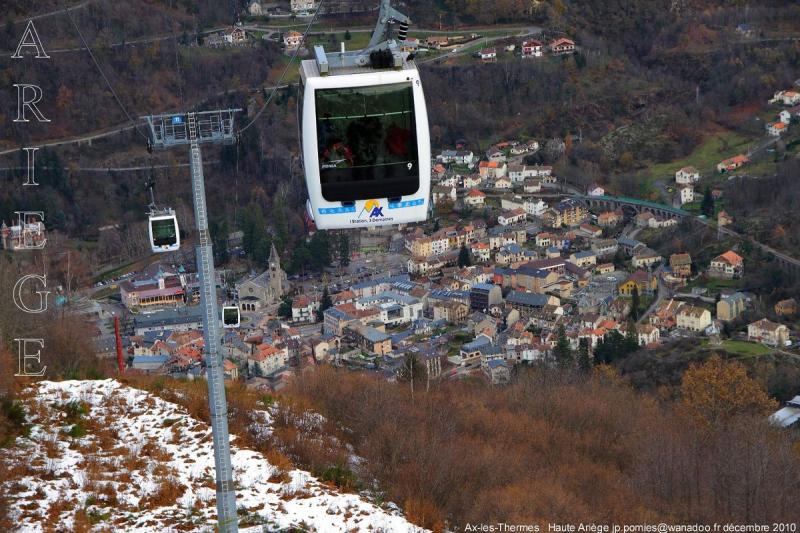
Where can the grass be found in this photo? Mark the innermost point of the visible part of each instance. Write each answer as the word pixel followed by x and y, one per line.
pixel 743 349
pixel 704 157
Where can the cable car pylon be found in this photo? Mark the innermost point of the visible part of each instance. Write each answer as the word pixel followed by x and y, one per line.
pixel 192 130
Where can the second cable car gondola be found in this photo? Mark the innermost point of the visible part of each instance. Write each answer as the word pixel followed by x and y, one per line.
pixel 364 133
pixel 230 316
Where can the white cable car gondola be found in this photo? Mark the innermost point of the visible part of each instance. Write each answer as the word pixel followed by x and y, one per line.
pixel 165 236
pixel 364 133
pixel 230 316
pixel 164 233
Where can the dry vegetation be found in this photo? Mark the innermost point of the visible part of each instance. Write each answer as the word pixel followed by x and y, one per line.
pixel 557 447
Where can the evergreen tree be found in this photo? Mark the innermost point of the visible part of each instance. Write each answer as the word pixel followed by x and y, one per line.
pixel 631 342
pixel 635 303
pixel 219 239
pixel 584 359
pixel 344 249
pixel 562 352
pixel 707 205
pixel 324 304
pixel 347 35
pixel 285 309
pixel 464 258
pixel 320 250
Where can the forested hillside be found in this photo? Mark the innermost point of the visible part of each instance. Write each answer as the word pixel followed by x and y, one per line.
pixel 651 81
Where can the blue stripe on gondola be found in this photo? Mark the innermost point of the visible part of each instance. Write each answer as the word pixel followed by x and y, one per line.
pixel 407 203
pixel 336 210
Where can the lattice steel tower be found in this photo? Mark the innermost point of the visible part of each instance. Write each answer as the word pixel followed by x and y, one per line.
pixel 193 129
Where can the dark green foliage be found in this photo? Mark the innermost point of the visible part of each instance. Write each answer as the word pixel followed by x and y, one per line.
pixel 285 309
pixel 635 303
pixel 344 249
pixel 615 346
pixel 562 353
pixel 464 257
pixel 325 303
pixel 707 205
pixel 341 476
pixel 584 359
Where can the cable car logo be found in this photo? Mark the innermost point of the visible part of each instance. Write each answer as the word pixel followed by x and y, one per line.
pixel 373 207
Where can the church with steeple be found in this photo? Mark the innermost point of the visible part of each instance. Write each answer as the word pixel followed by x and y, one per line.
pixel 266 289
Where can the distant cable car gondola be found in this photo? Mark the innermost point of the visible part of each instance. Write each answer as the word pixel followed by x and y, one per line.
pixel 230 316
pixel 165 236
pixel 364 132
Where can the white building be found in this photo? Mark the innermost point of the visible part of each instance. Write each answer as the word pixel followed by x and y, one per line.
pixel 687 175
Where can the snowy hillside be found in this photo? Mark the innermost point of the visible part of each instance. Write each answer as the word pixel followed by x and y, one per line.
pixel 102 456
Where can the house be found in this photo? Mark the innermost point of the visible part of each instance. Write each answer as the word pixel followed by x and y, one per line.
pixel 156 286
pixel 732 163
pixel 436 42
pixel 562 46
pixel 645 282
pixel 776 129
pixel 681 265
pixel 686 194
pixel 495 154
pixel 568 212
pixel 369 339
pixel 300 6
pixel 543 240
pixel 687 176
pixel 492 169
pixel 474 198
pixel 768 332
pixel 531 185
pixel 267 360
pixel 595 190
pixel 590 231
pixel 503 183
pixel 535 209
pixel 647 334
pixel 450 311
pixel 25 235
pixel 304 308
pixel 527 302
pixel 488 54
pixel 458 157
pixel 693 318
pixel 726 266
pixel 471 181
pixel 235 35
pixel 497 370
pixel 584 259
pixel 481 251
pixel 532 48
pixel 785 116
pixel 724 219
pixel 511 217
pixel 441 194
pixel 604 268
pixel 645 258
pixel 789 97
pixel 786 307
pixel 255 9
pixel 666 314
pixel 609 219
pixel 293 40
pixel 731 306
pixel 484 295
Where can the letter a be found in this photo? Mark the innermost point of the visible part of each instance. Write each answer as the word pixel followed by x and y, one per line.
pixel 31 38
